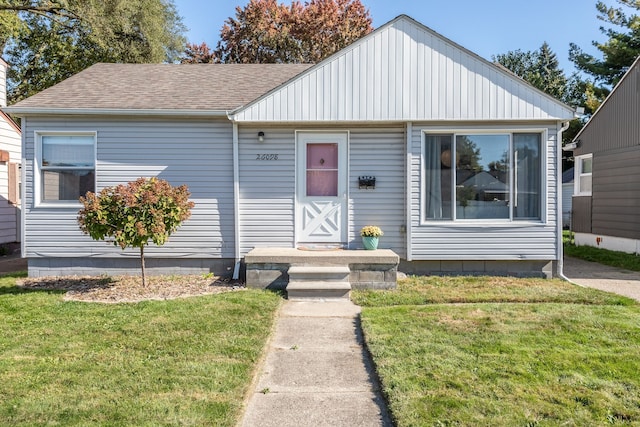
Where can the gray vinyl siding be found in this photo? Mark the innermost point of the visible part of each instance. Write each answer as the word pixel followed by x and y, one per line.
pixel 197 153
pixel 267 188
pixel 9 141
pixel 616 193
pixel 486 241
pixel 378 152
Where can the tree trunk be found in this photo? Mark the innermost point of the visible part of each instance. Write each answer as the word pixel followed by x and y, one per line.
pixel 144 277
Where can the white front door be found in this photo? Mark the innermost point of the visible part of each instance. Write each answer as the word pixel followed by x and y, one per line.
pixel 321 207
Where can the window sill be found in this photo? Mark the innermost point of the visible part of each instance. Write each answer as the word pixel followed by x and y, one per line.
pixel 58 205
pixel 483 224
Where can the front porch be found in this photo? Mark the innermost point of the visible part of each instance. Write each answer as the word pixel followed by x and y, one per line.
pixel 275 268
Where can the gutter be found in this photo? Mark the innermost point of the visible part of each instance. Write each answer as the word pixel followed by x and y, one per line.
pixel 26 111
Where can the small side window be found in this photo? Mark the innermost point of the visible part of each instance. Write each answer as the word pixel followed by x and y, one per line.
pixel 583 175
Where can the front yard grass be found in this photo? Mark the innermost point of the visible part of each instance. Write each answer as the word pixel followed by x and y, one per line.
pixel 504 351
pixel 181 362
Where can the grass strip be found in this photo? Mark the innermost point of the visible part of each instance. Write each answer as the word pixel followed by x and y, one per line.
pixel 603 256
pixel 465 289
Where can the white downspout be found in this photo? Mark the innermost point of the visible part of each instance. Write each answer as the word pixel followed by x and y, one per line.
pixel 560 254
pixel 236 202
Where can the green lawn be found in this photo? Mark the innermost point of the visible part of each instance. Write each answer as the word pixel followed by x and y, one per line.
pixel 602 256
pixel 182 362
pixel 504 352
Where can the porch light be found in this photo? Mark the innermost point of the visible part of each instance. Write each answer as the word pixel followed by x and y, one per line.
pixel 261 136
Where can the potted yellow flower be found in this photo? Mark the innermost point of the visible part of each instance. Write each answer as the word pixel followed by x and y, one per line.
pixel 370 236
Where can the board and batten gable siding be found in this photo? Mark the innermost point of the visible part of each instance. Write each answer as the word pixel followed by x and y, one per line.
pixel 10 140
pixel 403 72
pixel 268 187
pixel 433 240
pixel 615 208
pixel 197 153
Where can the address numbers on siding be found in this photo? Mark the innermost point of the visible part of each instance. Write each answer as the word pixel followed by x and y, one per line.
pixel 266 157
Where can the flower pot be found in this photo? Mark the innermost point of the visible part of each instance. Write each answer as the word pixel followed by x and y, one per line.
pixel 370 243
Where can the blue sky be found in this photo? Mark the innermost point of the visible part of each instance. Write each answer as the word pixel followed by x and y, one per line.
pixel 486 27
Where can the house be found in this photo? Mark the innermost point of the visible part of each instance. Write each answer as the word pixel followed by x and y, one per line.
pixel 606 199
pixel 567 196
pixel 10 153
pixel 284 156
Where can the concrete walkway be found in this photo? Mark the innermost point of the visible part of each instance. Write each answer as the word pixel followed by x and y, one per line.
pixel 603 277
pixel 316 371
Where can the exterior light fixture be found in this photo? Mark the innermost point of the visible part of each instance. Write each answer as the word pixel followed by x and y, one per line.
pixel 261 136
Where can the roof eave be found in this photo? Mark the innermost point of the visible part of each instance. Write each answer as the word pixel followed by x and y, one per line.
pixel 32 111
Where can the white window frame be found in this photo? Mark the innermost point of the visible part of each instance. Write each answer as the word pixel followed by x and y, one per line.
pixel 577 174
pixel 37 167
pixel 491 130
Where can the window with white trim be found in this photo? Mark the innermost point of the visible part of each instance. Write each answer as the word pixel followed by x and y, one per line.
pixel 67 166
pixel 582 177
pixel 478 176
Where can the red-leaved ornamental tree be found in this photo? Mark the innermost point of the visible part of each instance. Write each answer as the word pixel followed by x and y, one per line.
pixel 148 209
pixel 266 31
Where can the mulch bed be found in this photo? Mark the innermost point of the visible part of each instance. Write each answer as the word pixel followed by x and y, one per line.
pixel 123 289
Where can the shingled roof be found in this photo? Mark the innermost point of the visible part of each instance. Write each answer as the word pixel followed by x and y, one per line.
pixel 175 87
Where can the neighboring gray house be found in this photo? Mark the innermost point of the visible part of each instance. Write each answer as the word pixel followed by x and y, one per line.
pixel 272 155
pixel 10 149
pixel 606 201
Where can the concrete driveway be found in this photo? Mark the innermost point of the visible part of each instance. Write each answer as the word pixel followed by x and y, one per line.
pixel 603 277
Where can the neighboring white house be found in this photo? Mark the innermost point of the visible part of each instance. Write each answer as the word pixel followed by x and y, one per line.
pixel 10 149
pixel 274 156
pixel 567 196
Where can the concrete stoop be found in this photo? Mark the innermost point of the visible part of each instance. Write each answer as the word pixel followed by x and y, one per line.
pixel 321 275
pixel 318 283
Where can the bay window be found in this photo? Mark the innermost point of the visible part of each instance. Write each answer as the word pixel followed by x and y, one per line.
pixel 496 176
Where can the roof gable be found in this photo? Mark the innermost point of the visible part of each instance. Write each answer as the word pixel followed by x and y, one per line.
pixel 404 71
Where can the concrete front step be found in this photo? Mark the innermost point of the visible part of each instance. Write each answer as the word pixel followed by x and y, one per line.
pixel 314 272
pixel 318 282
pixel 268 267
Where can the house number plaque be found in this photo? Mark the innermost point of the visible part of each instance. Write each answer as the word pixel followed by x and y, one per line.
pixel 266 157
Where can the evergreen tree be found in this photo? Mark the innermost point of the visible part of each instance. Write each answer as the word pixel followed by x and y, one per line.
pixel 621 48
pixel 547 75
pixel 539 68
